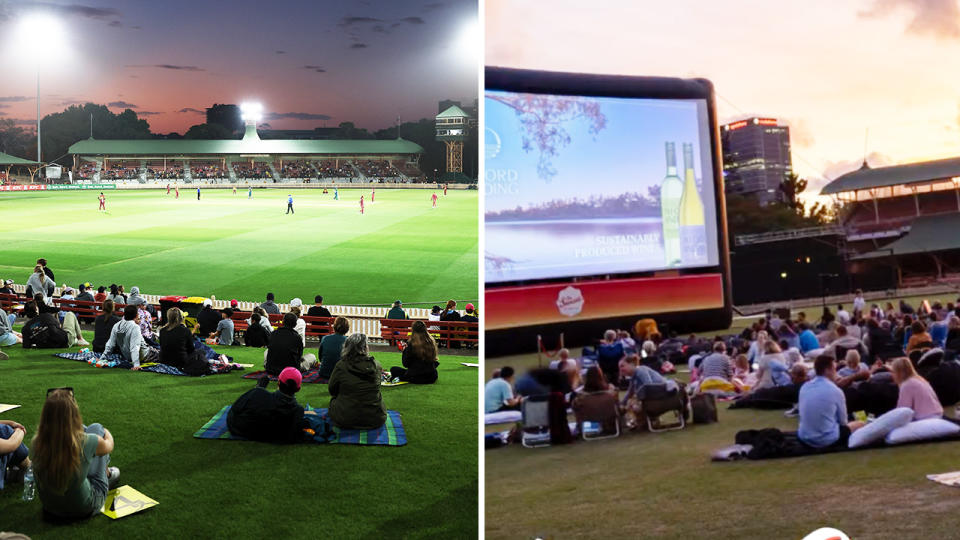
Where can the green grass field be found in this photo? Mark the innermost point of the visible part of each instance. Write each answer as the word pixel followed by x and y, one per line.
pixel 239 489
pixel 233 247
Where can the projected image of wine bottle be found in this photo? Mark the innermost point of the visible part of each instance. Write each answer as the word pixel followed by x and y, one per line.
pixel 671 191
pixel 693 231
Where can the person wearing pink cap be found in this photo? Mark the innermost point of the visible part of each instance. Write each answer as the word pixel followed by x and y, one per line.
pixel 471 316
pixel 261 415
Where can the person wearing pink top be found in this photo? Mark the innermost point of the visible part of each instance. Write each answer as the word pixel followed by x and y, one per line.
pixel 915 391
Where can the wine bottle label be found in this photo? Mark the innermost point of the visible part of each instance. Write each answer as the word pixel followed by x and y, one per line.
pixel 693 242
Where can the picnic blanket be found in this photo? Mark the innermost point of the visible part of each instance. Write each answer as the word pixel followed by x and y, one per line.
pixel 149 367
pixel 4 407
pixel 312 376
pixel 391 433
pixel 951 479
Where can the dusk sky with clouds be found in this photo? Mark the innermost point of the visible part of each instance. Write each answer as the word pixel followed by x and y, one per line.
pixel 309 63
pixel 830 69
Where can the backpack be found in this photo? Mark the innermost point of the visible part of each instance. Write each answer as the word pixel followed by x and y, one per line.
pixel 704 408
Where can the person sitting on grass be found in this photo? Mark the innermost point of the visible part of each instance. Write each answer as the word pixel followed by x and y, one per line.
pixel 208 319
pixel 44 331
pixel 717 365
pixel 125 338
pixel 317 309
pixel 331 345
pixel 261 415
pixel 355 400
pixel 103 325
pixel 823 409
pixel 7 335
pixel 419 357
pixel 146 325
pixel 919 337
pixel 773 369
pixel 13 453
pixel 286 349
pixel 255 335
pixel 595 399
pixel 915 392
pixel 70 459
pixel 498 392
pixel 176 341
pixel 224 333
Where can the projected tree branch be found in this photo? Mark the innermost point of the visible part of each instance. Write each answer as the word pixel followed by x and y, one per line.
pixel 543 118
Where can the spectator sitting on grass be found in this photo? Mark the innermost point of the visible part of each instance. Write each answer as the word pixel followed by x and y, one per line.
pixel 498 393
pixel 44 331
pixel 419 357
pixel 255 335
pixel 331 345
pixel 208 319
pixel 355 400
pixel 773 369
pixel 595 399
pixel 146 325
pixel 396 312
pixel 266 416
pixel 286 349
pixel 7 335
pixel 70 459
pixel 918 336
pixel 717 365
pixel 269 306
pixel 126 339
pixel 176 341
pixel 224 333
pixel 823 409
pixel 317 309
pixel 13 453
pixel 915 392
pixel 103 325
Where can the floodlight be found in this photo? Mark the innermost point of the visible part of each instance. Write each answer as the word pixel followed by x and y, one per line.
pixel 251 112
pixel 468 42
pixel 43 35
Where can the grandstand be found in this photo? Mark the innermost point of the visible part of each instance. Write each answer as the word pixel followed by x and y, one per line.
pixel 247 160
pixel 898 218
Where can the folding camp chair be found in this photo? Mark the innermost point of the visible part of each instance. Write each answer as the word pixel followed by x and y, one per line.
pixel 658 401
pixel 592 425
pixel 535 421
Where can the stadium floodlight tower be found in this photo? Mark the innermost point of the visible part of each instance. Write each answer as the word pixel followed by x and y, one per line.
pixel 452 130
pixel 251 114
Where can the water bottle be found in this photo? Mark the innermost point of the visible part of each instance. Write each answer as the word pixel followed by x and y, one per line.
pixel 85 350
pixel 29 488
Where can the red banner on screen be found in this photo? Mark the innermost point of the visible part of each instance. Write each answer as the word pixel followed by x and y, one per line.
pixel 23 187
pixel 512 307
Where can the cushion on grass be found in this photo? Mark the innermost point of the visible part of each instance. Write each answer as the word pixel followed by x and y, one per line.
pixel 921 430
pixel 879 428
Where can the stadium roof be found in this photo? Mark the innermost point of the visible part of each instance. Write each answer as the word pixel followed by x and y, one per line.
pixel 927 234
pixel 151 147
pixel 7 159
pixel 453 112
pixel 912 173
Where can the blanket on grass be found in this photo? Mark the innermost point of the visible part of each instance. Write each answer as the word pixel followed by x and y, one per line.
pixel 152 368
pixel 771 443
pixel 312 376
pixel 390 433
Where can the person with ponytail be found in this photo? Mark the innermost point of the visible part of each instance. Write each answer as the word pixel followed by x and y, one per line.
pixel 419 357
pixel 70 459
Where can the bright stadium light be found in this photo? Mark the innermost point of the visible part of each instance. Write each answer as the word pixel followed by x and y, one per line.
pixel 468 42
pixel 251 112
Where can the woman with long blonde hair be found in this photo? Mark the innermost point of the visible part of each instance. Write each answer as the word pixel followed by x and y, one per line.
pixel 915 392
pixel 70 459
pixel 419 357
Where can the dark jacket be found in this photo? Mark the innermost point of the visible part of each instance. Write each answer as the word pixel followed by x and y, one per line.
pixel 330 347
pixel 44 332
pixel 396 313
pixel 85 296
pixel 420 370
pixel 256 336
pixel 355 401
pixel 102 326
pixel 176 346
pixel 469 318
pixel 270 307
pixel 208 318
pixel 285 350
pixel 318 311
pixel 261 415
pixel 451 315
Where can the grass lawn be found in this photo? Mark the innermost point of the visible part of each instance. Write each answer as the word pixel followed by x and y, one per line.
pixel 240 489
pixel 645 485
pixel 233 247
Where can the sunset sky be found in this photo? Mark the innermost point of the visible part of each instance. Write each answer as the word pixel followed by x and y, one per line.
pixel 832 70
pixel 309 63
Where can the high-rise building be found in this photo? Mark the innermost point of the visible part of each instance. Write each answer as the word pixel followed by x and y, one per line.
pixel 756 158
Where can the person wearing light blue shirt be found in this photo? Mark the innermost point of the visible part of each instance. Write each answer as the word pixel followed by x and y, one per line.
pixel 823 408
pixel 498 394
pixel 290 204
pixel 808 340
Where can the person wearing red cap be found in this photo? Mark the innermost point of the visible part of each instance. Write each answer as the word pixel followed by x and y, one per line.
pixel 261 415
pixel 471 316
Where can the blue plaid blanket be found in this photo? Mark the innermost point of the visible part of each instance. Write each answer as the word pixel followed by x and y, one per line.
pixel 152 368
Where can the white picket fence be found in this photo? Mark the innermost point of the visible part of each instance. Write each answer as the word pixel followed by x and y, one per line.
pixel 363 319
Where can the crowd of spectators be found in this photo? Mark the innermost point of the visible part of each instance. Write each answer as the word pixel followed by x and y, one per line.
pixel 256 170
pixel 330 168
pixel 118 171
pixel 170 172
pixel 377 169
pixel 87 171
pixel 207 170
pixel 297 169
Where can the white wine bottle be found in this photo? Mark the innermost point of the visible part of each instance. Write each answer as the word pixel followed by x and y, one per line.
pixel 671 191
pixel 693 232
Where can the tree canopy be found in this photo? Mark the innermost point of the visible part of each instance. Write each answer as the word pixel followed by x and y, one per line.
pixel 60 130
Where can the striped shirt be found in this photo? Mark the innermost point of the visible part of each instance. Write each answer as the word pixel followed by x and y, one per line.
pixel 716 365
